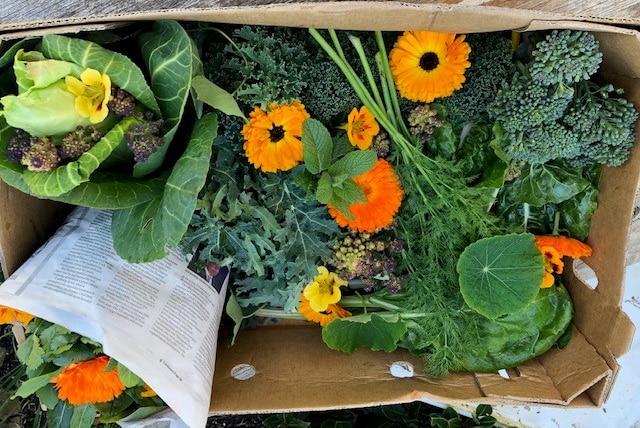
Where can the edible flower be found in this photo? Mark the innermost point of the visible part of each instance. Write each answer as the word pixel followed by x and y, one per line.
pixel 426 65
pixel 383 193
pixel 92 92
pixel 87 382
pixel 361 127
pixel 554 248
pixel 272 138
pixel 323 318
pixel 147 392
pixel 9 316
pixel 324 290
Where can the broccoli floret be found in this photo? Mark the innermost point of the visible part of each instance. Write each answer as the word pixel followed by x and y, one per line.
pixel 551 110
pixel 381 144
pixel 423 120
pixel 77 142
pixel 491 62
pixel 18 145
pixel 565 57
pixel 121 103
pixel 41 156
pixel 143 139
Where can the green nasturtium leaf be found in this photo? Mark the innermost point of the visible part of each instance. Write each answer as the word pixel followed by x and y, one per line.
pixel 501 274
pixel 123 72
pixel 317 146
pixel 166 50
pixel 141 233
pixel 515 338
pixel 363 331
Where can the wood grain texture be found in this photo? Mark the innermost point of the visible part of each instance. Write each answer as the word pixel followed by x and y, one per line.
pixel 20 14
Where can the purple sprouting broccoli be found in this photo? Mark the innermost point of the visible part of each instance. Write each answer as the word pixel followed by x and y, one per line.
pixel 121 103
pixel 143 139
pixel 18 145
pixel 75 143
pixel 41 155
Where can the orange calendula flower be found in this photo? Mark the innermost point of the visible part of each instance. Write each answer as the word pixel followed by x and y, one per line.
pixel 272 138
pixel 361 127
pixel 324 290
pixel 92 92
pixel 383 195
pixel 554 248
pixel 426 65
pixel 323 318
pixel 9 316
pixel 87 382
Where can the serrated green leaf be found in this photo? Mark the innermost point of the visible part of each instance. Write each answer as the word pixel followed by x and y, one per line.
pixel 501 274
pixel 30 352
pixel 127 377
pixel 354 163
pixel 123 72
pixel 350 192
pixel 83 416
pixel 342 205
pixel 141 233
pixel 324 191
pixel 317 146
pixel 216 97
pixel 167 51
pixel 363 331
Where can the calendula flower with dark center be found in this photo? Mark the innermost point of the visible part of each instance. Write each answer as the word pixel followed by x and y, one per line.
pixel 272 137
pixel 426 65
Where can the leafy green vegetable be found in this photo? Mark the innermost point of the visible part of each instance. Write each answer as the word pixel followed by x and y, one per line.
pixel 163 220
pixel 317 146
pixel 364 331
pixel 83 416
pixel 501 274
pixel 123 72
pixel 521 335
pixel 166 50
pixel 543 183
pixel 213 95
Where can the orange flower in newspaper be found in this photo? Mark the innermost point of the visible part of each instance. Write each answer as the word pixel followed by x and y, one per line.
pixel 147 391
pixel 87 382
pixel 361 127
pixel 383 195
pixel 9 316
pixel 554 248
pixel 426 65
pixel 323 318
pixel 272 138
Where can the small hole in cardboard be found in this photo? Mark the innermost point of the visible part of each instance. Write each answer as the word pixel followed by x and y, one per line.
pixel 584 272
pixel 504 374
pixel 401 369
pixel 243 372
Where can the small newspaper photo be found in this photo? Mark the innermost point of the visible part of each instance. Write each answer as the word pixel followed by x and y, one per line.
pixel 159 319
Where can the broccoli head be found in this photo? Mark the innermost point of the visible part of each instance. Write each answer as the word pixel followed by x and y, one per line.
pixel 143 139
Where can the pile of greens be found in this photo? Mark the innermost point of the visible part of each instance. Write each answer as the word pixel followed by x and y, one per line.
pixel 147 163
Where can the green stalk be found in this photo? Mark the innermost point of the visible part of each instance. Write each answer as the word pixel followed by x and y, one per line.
pixel 357 44
pixel 278 313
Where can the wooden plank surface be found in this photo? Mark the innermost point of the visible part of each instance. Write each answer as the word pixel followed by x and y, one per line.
pixel 20 14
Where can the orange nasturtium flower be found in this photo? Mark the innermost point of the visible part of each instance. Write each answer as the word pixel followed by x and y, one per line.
pixel 9 316
pixel 323 318
pixel 87 382
pixel 383 195
pixel 554 248
pixel 426 65
pixel 92 92
pixel 272 138
pixel 361 127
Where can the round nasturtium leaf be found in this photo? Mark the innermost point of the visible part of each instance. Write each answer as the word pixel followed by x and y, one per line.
pixel 501 274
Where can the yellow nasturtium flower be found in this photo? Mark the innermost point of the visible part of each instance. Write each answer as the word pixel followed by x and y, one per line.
pixel 92 93
pixel 45 105
pixel 324 290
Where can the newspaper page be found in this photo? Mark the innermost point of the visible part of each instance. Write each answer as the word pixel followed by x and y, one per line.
pixel 160 319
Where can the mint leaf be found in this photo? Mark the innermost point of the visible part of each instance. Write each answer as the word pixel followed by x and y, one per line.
pixel 354 163
pixel 324 192
pixel 317 146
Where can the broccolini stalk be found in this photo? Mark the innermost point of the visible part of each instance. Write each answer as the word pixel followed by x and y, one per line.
pixel 439 218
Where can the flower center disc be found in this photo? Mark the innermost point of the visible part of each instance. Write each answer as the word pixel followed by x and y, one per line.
pixel 429 61
pixel 276 133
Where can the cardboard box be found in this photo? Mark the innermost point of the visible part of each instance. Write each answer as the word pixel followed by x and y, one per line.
pixel 294 370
